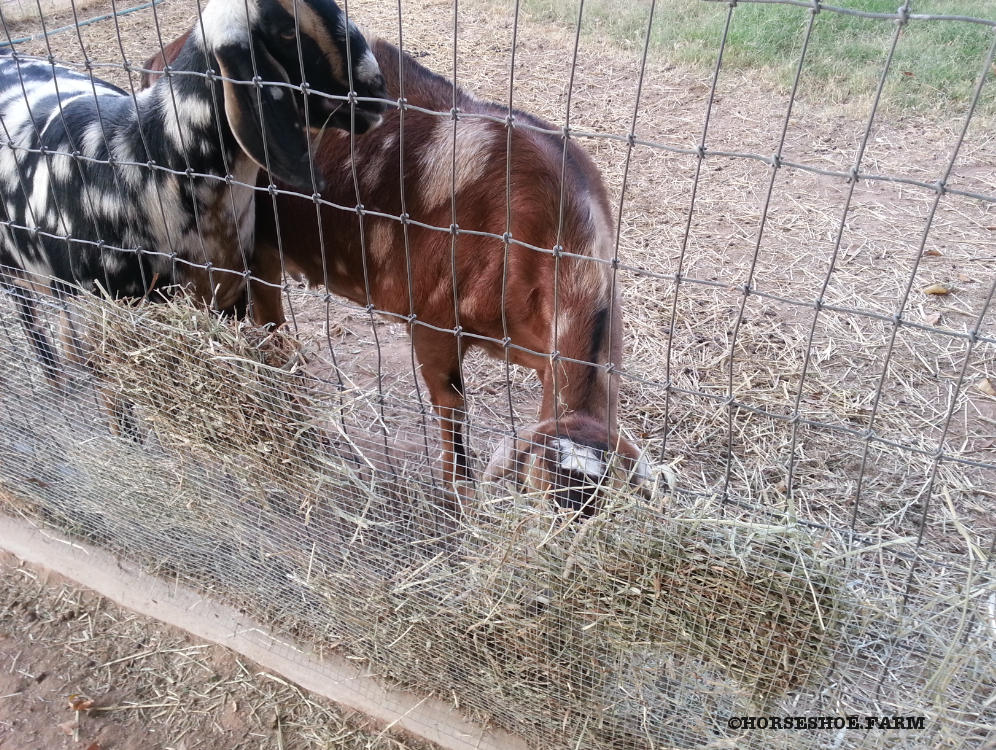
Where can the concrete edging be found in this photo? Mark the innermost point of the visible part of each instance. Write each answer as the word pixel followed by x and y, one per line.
pixel 331 677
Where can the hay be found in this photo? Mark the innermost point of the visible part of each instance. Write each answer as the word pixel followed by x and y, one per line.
pixel 484 614
pixel 553 615
pixel 230 389
pixel 230 393
pixel 527 615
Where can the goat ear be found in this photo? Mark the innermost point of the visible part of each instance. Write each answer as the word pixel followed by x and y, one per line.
pixel 267 114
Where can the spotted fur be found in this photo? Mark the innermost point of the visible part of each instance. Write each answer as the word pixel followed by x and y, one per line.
pixel 136 193
pixel 575 446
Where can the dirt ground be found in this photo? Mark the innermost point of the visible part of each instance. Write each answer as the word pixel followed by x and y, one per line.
pixel 144 686
pixel 847 369
pixel 857 373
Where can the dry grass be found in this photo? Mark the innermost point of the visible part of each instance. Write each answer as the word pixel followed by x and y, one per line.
pixel 227 390
pixel 653 622
pixel 544 610
pixel 150 686
pixel 526 616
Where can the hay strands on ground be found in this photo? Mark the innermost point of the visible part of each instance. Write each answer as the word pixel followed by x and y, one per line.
pixel 225 389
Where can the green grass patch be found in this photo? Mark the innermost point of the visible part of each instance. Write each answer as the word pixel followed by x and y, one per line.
pixel 935 68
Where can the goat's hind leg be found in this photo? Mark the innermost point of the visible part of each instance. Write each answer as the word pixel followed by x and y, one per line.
pixel 34 330
pixel 121 413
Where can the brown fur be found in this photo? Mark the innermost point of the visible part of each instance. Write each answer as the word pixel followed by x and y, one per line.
pixel 579 400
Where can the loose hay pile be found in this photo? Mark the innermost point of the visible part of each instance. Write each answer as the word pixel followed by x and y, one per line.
pixel 201 380
pixel 572 629
pixel 581 632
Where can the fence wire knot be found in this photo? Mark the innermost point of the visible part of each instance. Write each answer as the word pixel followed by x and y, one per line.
pixel 797 431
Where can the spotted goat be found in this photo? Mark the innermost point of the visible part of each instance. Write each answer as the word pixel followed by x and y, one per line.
pixel 141 193
pixel 576 441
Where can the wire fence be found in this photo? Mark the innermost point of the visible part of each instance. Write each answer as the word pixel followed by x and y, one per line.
pixel 757 330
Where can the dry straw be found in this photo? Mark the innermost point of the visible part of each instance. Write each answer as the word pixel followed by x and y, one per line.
pixel 519 611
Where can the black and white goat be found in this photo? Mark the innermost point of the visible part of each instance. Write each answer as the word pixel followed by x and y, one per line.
pixel 137 193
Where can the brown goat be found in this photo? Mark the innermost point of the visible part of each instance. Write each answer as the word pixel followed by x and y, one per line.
pixel 507 300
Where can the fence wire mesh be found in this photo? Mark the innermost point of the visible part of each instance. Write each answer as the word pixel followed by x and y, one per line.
pixel 804 294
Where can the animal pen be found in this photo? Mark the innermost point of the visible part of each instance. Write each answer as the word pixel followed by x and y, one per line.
pixel 807 372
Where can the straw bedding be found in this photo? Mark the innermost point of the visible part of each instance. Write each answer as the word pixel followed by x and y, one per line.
pixel 526 614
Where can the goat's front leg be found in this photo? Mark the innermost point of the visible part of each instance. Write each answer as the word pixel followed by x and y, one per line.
pixel 266 286
pixel 440 359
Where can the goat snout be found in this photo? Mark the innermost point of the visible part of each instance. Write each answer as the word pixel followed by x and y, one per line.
pixel 362 116
pixel 574 459
pixel 367 120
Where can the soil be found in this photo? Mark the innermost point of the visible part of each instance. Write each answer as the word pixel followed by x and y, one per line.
pixel 861 261
pixel 143 686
